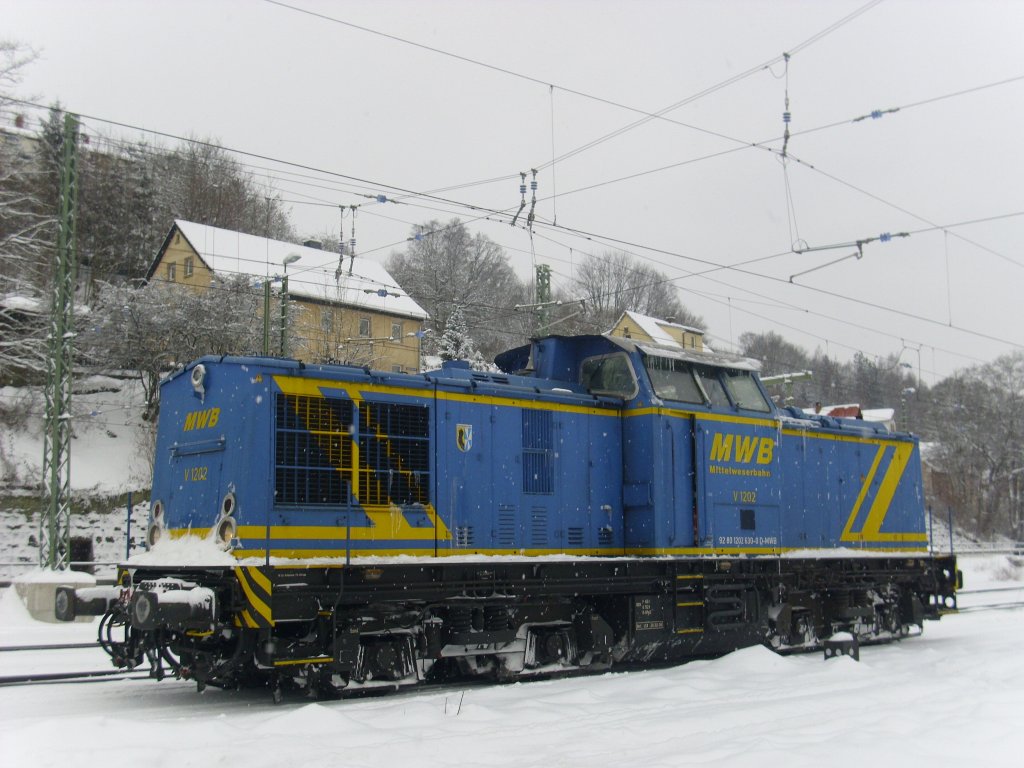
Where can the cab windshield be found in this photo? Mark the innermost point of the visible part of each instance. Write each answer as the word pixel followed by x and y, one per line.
pixel 686 382
pixel 673 380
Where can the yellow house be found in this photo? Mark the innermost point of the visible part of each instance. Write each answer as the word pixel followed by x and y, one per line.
pixel 641 328
pixel 349 313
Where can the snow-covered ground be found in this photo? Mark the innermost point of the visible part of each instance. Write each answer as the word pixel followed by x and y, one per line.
pixel 952 697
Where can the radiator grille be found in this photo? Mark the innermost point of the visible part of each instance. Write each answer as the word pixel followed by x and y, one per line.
pixel 394 454
pixel 312 447
pixel 314 452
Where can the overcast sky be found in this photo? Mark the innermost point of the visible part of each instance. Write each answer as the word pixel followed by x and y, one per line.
pixel 315 92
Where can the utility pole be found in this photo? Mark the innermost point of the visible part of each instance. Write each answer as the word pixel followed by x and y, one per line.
pixel 266 317
pixel 543 297
pixel 55 517
pixel 291 258
pixel 284 314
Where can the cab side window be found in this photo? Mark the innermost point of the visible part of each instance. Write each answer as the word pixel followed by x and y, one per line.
pixel 609 375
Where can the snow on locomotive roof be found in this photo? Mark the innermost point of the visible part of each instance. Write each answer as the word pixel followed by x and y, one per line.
pixel 361 283
pixel 717 359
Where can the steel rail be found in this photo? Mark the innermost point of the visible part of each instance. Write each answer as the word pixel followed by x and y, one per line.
pixel 52 647
pixel 37 678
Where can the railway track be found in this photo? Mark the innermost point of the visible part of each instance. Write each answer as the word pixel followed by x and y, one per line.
pixel 50 647
pixel 59 677
pixel 1001 605
pixel 95 676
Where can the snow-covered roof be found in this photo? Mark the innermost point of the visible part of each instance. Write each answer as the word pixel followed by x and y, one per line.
pixel 853 411
pixel 360 283
pixel 703 357
pixel 884 415
pixel 655 328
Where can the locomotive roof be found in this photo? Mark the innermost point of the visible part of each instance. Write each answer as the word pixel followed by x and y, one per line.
pixel 521 359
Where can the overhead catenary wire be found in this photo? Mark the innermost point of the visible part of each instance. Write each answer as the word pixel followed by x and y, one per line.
pixel 775 302
pixel 647 115
pixel 808 165
pixel 498 213
pixel 771 278
pixel 778 304
pixel 256 155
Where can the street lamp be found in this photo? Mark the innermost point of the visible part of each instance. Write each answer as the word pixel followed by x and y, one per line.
pixel 291 258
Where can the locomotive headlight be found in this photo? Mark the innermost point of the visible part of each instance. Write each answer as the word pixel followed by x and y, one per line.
pixel 226 532
pixel 226 529
pixel 198 379
pixel 154 534
pixel 157 511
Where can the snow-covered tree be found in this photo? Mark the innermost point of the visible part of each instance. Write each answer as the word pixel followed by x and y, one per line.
pixel 980 428
pixel 456 343
pixel 202 182
pixel 25 238
pixel 153 329
pixel 444 267
pixel 614 282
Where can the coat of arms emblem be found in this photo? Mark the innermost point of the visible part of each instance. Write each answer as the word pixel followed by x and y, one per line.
pixel 464 436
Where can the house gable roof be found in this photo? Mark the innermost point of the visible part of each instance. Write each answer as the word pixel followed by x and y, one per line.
pixel 360 283
pixel 655 328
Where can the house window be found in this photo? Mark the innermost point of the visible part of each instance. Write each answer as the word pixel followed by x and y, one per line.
pixel 188 266
pixel 172 272
pixel 327 319
pixel 396 332
pixel 396 369
pixel 364 327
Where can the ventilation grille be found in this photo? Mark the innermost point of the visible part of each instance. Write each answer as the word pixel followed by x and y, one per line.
pixel 575 537
pixel 538 452
pixel 506 526
pixel 489 378
pixel 539 527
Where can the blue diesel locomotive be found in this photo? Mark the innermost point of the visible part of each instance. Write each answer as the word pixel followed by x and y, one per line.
pixel 599 502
